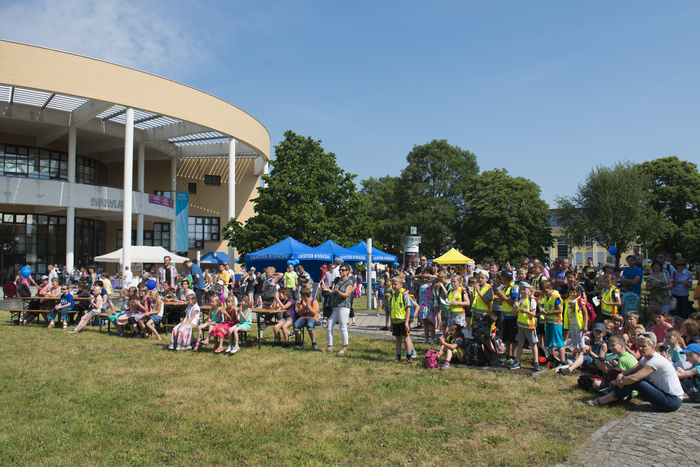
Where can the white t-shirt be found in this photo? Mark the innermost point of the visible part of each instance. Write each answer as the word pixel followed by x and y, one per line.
pixel 127 278
pixel 665 376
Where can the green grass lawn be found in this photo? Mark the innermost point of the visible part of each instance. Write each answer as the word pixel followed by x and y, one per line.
pixel 94 399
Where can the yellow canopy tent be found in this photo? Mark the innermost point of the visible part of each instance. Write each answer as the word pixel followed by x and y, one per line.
pixel 452 257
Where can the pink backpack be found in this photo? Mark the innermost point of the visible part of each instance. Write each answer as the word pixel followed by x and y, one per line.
pixel 430 360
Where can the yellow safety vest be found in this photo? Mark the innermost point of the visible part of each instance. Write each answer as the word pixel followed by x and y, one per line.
pixel 480 307
pixel 574 315
pixel 609 310
pixel 455 295
pixel 549 306
pixel 524 320
pixel 399 306
pixel 508 310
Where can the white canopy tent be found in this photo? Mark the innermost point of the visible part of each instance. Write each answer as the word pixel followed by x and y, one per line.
pixel 141 254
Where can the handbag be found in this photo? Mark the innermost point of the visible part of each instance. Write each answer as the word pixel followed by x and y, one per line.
pixel 674 303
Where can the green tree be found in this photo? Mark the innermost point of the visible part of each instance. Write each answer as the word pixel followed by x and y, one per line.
pixel 431 191
pixel 612 207
pixel 307 197
pixel 505 218
pixel 389 222
pixel 675 195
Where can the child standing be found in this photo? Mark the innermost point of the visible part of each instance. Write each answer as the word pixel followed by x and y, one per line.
pixel 400 319
pixel 379 294
pixel 426 313
pixel 576 317
pixel 527 323
pixel 552 310
pixel 508 295
pixel 610 301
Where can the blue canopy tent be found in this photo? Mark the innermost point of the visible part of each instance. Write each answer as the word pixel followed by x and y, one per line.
pixel 278 254
pixel 337 251
pixel 377 255
pixel 216 257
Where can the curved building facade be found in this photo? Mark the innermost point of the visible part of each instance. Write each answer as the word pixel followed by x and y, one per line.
pixel 90 150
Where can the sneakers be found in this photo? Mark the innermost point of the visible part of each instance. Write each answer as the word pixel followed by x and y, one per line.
pixel 299 345
pixel 536 366
pixel 397 359
pixel 445 366
pixel 235 349
pixel 228 349
pixel 314 346
pixel 408 361
pixel 412 354
pixel 565 371
pixel 377 315
pixel 514 365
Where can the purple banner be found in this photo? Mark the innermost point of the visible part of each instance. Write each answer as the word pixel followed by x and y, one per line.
pixel 161 201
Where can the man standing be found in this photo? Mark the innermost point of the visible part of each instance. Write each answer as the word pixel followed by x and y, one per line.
pixel 423 267
pixel 197 279
pixel 167 276
pixel 224 275
pixel 558 274
pixel 51 272
pixel 632 275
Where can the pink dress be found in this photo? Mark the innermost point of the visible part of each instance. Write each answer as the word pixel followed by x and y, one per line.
pixel 221 330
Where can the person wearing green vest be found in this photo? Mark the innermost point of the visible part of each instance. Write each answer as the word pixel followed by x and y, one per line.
pixel 481 311
pixel 507 296
pixel 400 319
pixel 552 308
pixel 526 308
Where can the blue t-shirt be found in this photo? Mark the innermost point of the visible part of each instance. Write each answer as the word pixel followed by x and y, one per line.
pixel 68 298
pixel 514 295
pixel 196 270
pixel 381 290
pixel 631 273
pixel 630 302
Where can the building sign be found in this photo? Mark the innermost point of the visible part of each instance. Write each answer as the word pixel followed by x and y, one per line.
pixel 161 201
pixel 105 203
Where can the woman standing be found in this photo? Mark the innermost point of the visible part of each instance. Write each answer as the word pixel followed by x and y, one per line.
pixel 681 289
pixel 654 377
pixel 659 286
pixel 340 301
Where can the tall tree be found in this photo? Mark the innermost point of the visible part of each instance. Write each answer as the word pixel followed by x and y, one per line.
pixel 307 197
pixel 612 207
pixel 675 195
pixel 431 192
pixel 388 219
pixel 505 218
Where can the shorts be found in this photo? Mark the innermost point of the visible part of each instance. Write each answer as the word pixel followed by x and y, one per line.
pixel 540 329
pixel 576 336
pixel 553 335
pixel 286 320
pixel 587 361
pixel 243 326
pixel 96 311
pixel 456 319
pixel 529 335
pixel 155 318
pixel 510 330
pixel 309 323
pixel 399 329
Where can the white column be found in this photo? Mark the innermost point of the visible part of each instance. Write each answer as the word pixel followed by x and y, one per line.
pixel 266 171
pixel 231 190
pixel 70 212
pixel 369 275
pixel 141 178
pixel 72 141
pixel 128 185
pixel 173 195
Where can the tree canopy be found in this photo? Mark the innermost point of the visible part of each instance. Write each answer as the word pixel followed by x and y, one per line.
pixel 505 218
pixel 675 196
pixel 612 207
pixel 389 222
pixel 307 196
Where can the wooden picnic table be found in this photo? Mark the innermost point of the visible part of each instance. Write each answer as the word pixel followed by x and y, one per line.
pixel 262 311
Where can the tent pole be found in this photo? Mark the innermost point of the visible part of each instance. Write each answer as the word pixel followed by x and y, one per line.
pixel 368 289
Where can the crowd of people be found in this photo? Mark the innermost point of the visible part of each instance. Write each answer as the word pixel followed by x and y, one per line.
pixel 587 319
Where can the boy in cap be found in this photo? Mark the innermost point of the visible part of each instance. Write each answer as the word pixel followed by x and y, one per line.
pixel 507 295
pixel 526 321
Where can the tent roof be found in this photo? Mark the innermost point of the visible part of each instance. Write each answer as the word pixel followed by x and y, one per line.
pixel 338 251
pixel 218 257
pixel 141 254
pixel 378 256
pixel 288 248
pixel 452 257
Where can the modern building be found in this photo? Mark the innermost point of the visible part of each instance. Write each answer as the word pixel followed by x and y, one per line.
pixel 90 149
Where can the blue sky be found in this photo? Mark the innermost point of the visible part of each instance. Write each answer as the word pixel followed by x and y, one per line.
pixel 546 90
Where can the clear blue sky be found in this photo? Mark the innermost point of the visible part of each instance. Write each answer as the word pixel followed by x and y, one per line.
pixel 546 90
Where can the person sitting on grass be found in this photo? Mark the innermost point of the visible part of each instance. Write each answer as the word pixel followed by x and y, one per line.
pixel 625 360
pixel 595 351
pixel 95 308
pixel 672 348
pixel 632 344
pixel 154 316
pixel 690 332
pixel 654 377
pixel 216 316
pixel 66 305
pixel 307 317
pixel 400 319
pixel 692 355
pixel 181 338
pixel 244 320
pixel 453 346
pixel 527 324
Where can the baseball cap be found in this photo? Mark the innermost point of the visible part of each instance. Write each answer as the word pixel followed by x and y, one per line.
pixel 44 277
pixel 507 273
pixel 600 327
pixel 525 285
pixel 695 348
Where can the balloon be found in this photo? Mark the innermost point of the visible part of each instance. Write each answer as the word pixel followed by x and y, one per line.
pixel 151 284
pixel 296 262
pixel 25 272
pixel 342 260
pixel 613 250
pixel 290 262
pixel 396 264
